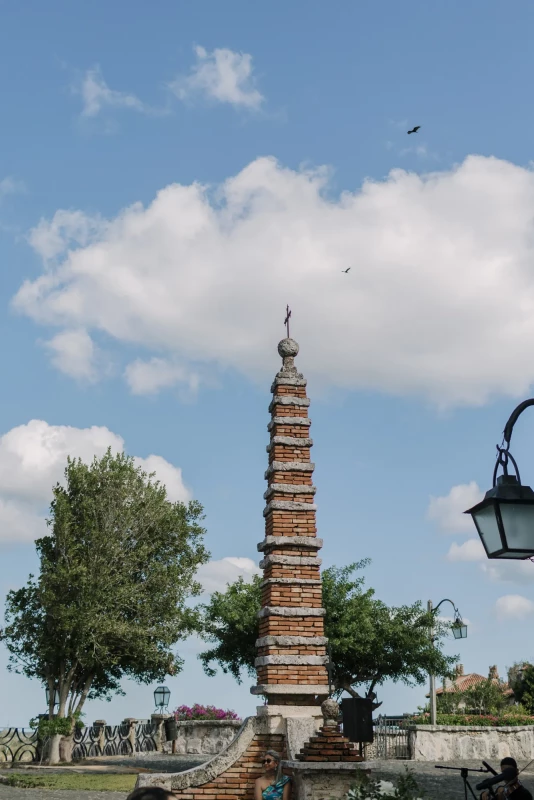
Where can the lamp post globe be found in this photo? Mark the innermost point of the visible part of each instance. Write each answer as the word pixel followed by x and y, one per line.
pixel 162 696
pixel 504 519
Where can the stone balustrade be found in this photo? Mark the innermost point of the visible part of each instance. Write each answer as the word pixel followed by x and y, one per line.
pixel 203 737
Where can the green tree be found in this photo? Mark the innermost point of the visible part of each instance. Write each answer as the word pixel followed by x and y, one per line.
pixel 370 642
pixel 116 572
pixel 449 702
pixel 230 621
pixel 522 682
pixel 486 697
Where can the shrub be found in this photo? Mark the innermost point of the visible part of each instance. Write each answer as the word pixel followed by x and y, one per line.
pixel 367 788
pixel 203 712
pixel 512 718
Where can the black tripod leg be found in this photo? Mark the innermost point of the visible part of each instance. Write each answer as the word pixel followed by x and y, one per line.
pixel 467 785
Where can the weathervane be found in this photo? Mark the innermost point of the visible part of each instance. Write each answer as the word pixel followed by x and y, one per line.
pixel 286 321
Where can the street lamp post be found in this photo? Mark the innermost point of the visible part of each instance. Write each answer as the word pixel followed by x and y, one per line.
pixel 459 630
pixel 504 519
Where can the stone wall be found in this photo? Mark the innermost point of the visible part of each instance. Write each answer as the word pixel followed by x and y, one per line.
pixel 204 737
pixel 454 743
pixel 322 781
pixel 230 775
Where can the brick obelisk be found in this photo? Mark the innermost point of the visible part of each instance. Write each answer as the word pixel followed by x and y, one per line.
pixel 291 649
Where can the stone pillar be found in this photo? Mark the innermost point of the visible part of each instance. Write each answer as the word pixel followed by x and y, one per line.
pixel 291 649
pixel 100 725
pixel 160 738
pixel 131 722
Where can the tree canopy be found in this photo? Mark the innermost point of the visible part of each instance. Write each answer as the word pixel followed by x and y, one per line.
pixel 116 571
pixel 485 697
pixel 370 641
pixel 521 680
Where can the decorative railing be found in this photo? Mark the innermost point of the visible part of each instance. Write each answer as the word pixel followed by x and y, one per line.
pixel 22 744
pixel 86 743
pixel 19 744
pixel 145 736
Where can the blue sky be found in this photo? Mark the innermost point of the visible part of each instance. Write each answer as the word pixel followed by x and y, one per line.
pixel 170 177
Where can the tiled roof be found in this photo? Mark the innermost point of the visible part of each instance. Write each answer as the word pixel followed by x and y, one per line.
pixel 464 682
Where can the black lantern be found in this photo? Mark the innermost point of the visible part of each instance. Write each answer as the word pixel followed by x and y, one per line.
pixel 161 698
pixel 504 519
pixel 56 697
pixel 459 628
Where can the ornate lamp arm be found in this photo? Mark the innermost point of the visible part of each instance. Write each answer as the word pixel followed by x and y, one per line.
pixel 446 600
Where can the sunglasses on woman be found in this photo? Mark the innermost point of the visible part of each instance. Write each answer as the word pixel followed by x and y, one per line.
pixel 267 761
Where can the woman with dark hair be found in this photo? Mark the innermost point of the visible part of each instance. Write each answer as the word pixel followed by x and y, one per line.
pixel 513 788
pixel 151 793
pixel 272 785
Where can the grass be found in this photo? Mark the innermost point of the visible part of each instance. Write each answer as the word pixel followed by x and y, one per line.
pixel 95 782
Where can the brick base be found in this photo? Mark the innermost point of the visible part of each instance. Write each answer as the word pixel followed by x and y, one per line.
pixel 237 782
pixel 229 775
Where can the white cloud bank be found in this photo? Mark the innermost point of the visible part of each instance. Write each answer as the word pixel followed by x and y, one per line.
pixel 96 95
pixel 215 575
pixel 75 354
pixel 223 76
pixel 149 377
pixel 441 287
pixel 514 606
pixel 448 511
pixel 9 186
pixel 472 550
pixel 32 460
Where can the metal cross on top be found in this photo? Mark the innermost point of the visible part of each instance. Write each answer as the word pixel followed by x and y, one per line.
pixel 286 321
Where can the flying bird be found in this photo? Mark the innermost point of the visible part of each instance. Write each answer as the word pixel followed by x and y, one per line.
pixel 414 130
pixel 345 270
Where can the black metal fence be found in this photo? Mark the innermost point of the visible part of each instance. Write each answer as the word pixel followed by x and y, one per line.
pixel 19 744
pixel 23 744
pixel 391 738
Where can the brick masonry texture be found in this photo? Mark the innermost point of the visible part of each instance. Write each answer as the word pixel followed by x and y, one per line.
pixel 288 517
pixel 329 745
pixel 293 564
pixel 237 782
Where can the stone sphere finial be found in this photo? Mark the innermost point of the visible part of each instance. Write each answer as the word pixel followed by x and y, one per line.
pixel 288 348
pixel 330 711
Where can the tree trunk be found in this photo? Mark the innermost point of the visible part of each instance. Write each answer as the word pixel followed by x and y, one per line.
pixel 66 746
pixel 53 748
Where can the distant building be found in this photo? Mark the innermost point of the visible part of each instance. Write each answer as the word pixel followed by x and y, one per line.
pixel 464 681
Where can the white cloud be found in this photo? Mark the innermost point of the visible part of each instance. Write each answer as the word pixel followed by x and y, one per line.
pixel 448 511
pixel 149 377
pixel 19 523
pixel 74 353
pixel 9 185
pixel 221 75
pixel 32 460
pixel 472 550
pixel 517 572
pixel 66 228
pixel 513 606
pixel 420 150
pixel 215 575
pixel 167 474
pixel 96 95
pixel 204 277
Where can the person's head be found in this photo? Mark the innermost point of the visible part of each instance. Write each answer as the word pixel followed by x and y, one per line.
pixel 151 793
pixel 509 764
pixel 271 762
